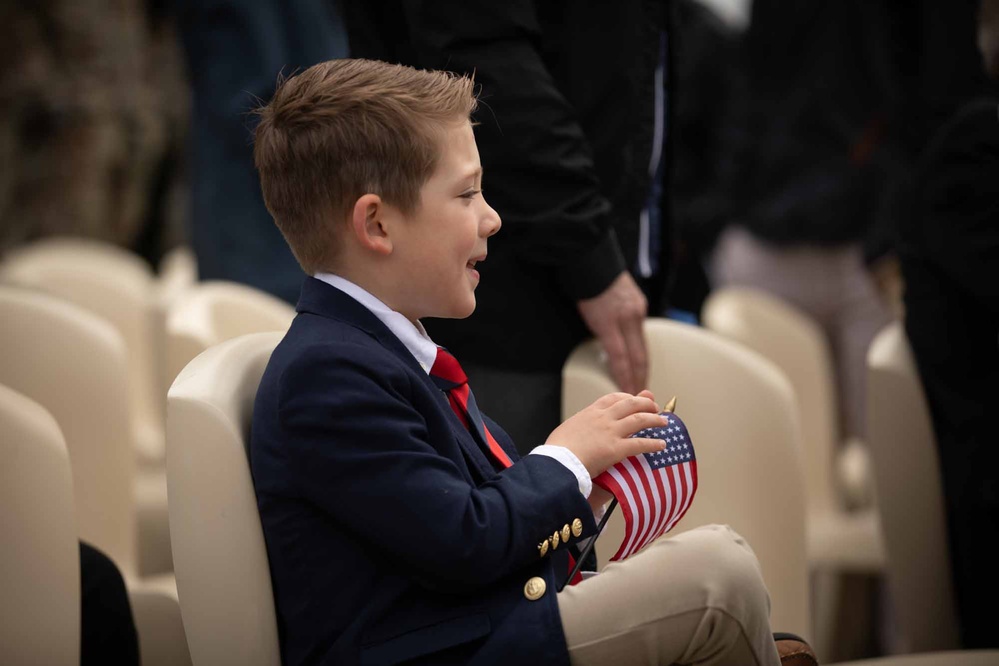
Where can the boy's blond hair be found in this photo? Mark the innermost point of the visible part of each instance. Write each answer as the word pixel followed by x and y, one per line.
pixel 345 128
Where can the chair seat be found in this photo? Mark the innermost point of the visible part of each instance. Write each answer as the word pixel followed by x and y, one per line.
pixel 156 608
pixel 153 522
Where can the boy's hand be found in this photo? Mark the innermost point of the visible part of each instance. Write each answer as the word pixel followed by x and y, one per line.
pixel 615 317
pixel 599 435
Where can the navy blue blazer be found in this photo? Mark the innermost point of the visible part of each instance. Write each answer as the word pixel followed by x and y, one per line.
pixel 390 535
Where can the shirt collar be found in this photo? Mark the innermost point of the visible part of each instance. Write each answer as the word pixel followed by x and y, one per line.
pixel 414 337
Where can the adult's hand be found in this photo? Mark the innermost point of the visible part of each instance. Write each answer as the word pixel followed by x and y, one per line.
pixel 615 317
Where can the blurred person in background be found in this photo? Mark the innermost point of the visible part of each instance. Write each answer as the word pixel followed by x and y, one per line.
pixel 92 119
pixel 816 157
pixel 235 52
pixel 709 96
pixel 949 249
pixel 575 148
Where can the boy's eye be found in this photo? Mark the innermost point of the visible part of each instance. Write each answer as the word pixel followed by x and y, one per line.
pixel 471 194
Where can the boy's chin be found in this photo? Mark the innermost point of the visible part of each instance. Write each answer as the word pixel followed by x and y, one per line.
pixel 463 313
pixel 459 312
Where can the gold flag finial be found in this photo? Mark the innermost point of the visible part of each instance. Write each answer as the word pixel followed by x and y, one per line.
pixel 671 405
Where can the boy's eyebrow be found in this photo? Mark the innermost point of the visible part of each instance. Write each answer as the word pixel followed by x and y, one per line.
pixel 477 174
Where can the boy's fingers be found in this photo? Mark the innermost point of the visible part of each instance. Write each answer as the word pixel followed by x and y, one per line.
pixel 647 394
pixel 631 405
pixel 637 422
pixel 607 400
pixel 636 445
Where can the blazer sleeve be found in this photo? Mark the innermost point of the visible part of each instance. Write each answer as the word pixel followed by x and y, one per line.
pixel 360 451
pixel 538 164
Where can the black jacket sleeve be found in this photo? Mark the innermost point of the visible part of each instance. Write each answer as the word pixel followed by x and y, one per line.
pixel 539 168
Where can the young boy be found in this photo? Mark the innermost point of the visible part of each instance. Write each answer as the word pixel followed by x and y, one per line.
pixel 400 524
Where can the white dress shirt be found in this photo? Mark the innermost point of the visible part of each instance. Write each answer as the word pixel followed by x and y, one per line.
pixel 424 350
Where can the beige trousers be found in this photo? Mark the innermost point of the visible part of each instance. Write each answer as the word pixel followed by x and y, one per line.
pixel 694 598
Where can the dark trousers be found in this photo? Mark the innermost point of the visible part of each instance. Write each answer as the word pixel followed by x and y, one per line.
pixel 955 340
pixel 107 633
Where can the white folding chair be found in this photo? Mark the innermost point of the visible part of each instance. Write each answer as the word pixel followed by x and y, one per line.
pixel 177 272
pixel 219 552
pixel 73 363
pixel 742 420
pixel 40 573
pixel 212 312
pixel 119 287
pixel 838 539
pixel 40 559
pixel 907 475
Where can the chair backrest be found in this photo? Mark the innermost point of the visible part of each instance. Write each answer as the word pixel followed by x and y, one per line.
pixel 795 344
pixel 118 286
pixel 40 560
pixel 742 419
pixel 219 554
pixel 73 363
pixel 215 311
pixel 907 482
pixel 176 273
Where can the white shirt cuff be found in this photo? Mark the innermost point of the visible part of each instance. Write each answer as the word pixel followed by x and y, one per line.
pixel 598 513
pixel 571 462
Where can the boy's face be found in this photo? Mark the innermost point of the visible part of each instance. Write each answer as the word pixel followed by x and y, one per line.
pixel 438 245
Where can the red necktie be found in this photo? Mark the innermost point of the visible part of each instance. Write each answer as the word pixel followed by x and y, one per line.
pixel 449 376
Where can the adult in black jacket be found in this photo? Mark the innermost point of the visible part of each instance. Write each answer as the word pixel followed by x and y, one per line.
pixel 950 260
pixel 566 135
pixel 949 251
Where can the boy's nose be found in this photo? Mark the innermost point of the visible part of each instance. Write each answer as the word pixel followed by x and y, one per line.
pixel 492 222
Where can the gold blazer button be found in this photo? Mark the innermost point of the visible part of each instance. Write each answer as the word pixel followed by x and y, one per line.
pixel 565 533
pixel 577 527
pixel 543 548
pixel 554 540
pixel 535 588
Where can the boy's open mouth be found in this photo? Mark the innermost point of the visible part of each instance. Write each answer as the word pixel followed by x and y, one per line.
pixel 470 267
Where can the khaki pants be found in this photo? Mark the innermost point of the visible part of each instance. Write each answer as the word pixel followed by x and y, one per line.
pixel 696 598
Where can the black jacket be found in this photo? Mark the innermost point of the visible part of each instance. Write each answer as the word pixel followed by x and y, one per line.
pixel 949 251
pixel 565 136
pixel 823 96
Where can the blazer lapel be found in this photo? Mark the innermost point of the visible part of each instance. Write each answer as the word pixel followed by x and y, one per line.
pixel 473 450
pixel 327 301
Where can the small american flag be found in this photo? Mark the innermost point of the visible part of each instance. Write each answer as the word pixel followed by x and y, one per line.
pixel 653 489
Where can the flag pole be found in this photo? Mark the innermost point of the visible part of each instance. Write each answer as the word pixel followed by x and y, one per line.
pixel 589 547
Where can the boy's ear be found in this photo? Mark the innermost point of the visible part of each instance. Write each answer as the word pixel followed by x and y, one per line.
pixel 368 224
